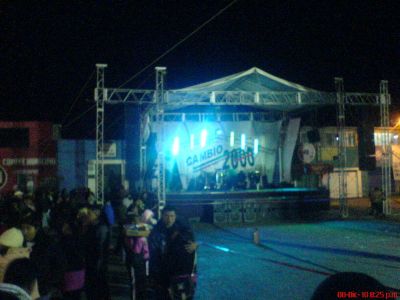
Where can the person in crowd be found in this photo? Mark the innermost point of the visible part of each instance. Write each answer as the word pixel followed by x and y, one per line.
pixel 151 206
pixel 90 198
pixel 28 204
pixel 172 257
pixel 376 199
pixel 10 241
pixel 341 284
pixel 74 276
pixel 137 254
pixel 44 203
pixel 96 236
pixel 46 255
pixel 20 280
pixel 11 248
pixel 63 210
pixel 121 215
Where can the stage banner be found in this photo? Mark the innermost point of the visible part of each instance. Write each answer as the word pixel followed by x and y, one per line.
pixel 396 162
pixel 195 147
pixel 289 144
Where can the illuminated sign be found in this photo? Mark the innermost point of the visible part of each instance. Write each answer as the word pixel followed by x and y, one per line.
pixel 205 155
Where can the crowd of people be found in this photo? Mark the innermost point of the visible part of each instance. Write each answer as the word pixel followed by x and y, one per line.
pixel 63 240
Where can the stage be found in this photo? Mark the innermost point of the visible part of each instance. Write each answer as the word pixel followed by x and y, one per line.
pixel 249 206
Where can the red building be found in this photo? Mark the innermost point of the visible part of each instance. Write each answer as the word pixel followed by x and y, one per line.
pixel 27 155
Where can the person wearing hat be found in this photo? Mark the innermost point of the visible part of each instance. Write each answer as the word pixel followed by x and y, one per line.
pixel 11 248
pixel 11 242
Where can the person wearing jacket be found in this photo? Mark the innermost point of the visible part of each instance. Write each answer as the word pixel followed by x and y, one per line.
pixel 172 256
pixel 46 255
pixel 20 280
pixel 96 236
pixel 74 276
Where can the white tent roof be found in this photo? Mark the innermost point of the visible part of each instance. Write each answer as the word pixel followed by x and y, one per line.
pixel 252 80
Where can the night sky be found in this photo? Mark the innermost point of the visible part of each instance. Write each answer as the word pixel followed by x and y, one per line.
pixel 49 48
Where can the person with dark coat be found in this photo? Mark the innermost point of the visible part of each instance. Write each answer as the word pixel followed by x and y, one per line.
pixel 376 198
pixel 46 255
pixel 96 237
pixel 74 277
pixel 172 257
pixel 19 280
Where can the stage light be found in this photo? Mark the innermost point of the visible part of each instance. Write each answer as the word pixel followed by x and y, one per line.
pixel 243 141
pixel 191 141
pixel 175 146
pixel 232 139
pixel 255 146
pixel 203 140
pixel 219 132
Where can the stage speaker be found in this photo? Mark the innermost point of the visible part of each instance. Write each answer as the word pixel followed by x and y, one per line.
pixel 250 208
pixel 235 212
pixel 220 213
pixel 313 136
pixel 366 148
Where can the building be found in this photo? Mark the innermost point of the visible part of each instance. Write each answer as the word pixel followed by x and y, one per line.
pixel 318 152
pixel 28 155
pixel 77 164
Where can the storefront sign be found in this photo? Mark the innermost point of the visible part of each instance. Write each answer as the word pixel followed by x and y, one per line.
pixel 110 150
pixel 29 161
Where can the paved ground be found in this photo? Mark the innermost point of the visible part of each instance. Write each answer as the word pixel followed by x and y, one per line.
pixel 293 258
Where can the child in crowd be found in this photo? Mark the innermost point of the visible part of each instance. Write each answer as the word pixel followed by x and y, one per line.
pixel 137 254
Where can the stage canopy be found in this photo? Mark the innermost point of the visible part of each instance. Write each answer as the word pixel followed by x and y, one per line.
pixel 252 80
pixel 253 87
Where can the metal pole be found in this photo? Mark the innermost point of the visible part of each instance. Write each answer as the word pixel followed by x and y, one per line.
pixel 160 101
pixel 386 147
pixel 142 152
pixel 100 95
pixel 341 123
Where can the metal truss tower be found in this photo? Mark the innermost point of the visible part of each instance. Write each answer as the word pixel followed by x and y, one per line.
pixel 342 155
pixel 386 146
pixel 100 96
pixel 159 97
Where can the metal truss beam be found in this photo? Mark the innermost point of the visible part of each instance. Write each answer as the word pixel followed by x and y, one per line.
pixel 212 117
pixel 175 98
pixel 131 96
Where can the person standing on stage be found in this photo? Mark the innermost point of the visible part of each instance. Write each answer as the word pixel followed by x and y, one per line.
pixel 172 257
pixel 376 199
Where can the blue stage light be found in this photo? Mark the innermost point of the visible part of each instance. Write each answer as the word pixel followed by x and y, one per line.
pixel 232 139
pixel 203 139
pixel 175 146
pixel 255 146
pixel 191 141
pixel 243 141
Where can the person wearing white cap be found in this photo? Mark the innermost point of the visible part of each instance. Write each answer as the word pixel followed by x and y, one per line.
pixel 12 238
pixel 11 248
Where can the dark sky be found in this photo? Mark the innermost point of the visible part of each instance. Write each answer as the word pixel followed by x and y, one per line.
pixel 49 48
